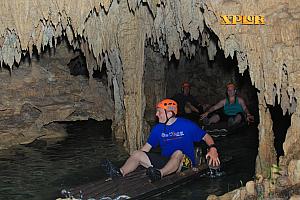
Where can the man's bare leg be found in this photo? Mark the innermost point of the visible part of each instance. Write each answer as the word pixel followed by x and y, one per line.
pixel 173 164
pixel 137 158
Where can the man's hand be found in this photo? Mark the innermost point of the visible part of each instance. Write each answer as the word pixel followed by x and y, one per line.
pixel 212 152
pixel 203 115
pixel 214 157
pixel 250 118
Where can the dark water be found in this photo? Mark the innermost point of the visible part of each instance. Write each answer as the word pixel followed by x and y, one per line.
pixel 40 171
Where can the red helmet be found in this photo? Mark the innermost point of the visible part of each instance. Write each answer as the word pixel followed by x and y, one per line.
pixel 168 105
pixel 186 84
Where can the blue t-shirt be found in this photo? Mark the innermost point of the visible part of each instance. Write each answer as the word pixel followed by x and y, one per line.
pixel 180 135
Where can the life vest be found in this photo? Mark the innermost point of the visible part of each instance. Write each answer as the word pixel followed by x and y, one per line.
pixel 232 109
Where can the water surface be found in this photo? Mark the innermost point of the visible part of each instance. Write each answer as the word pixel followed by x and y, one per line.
pixel 39 171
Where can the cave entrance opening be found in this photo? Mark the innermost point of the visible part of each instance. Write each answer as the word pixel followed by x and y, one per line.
pixel 88 128
pixel 207 74
pixel 208 79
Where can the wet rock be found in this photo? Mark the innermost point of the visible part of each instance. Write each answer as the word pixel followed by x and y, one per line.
pixel 250 188
pixel 212 197
pixel 29 112
pixel 251 197
pixel 294 171
pixel 37 144
pixel 295 197
pixel 267 189
pixel 283 181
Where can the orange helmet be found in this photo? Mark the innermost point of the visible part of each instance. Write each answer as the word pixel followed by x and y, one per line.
pixel 168 105
pixel 186 84
pixel 230 85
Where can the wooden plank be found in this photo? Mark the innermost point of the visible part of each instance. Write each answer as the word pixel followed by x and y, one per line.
pixel 137 184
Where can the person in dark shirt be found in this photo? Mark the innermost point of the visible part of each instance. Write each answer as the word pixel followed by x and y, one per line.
pixel 187 104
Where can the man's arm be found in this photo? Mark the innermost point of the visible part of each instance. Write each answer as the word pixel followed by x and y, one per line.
pixel 219 105
pixel 249 117
pixel 242 102
pixel 146 148
pixel 191 107
pixel 212 151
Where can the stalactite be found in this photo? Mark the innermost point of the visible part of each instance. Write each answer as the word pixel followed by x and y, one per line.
pixel 242 61
pixel 106 4
pixel 10 50
pixel 131 43
pixel 211 50
pixel 115 76
pixel 188 48
pixel 267 154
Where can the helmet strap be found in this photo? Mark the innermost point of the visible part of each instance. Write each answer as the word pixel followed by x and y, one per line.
pixel 167 119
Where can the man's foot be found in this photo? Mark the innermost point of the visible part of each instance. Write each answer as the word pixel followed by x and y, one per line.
pixel 153 173
pixel 110 169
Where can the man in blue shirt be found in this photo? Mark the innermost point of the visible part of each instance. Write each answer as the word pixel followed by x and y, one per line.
pixel 175 136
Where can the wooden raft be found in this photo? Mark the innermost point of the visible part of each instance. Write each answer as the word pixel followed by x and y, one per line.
pixel 136 185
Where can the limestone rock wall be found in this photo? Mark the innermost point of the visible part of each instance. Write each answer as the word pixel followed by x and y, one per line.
pixel 43 91
pixel 271 51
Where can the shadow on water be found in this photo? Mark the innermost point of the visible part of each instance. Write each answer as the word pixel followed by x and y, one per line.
pixel 40 171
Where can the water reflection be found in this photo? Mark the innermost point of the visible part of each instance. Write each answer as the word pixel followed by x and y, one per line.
pixel 39 172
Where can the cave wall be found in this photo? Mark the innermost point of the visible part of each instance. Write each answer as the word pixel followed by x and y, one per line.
pixel 43 91
pixel 271 51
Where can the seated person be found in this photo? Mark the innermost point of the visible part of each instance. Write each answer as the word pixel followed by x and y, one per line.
pixel 234 109
pixel 175 136
pixel 187 104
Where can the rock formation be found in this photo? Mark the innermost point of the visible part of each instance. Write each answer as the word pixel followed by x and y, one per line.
pixel 39 93
pixel 115 32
